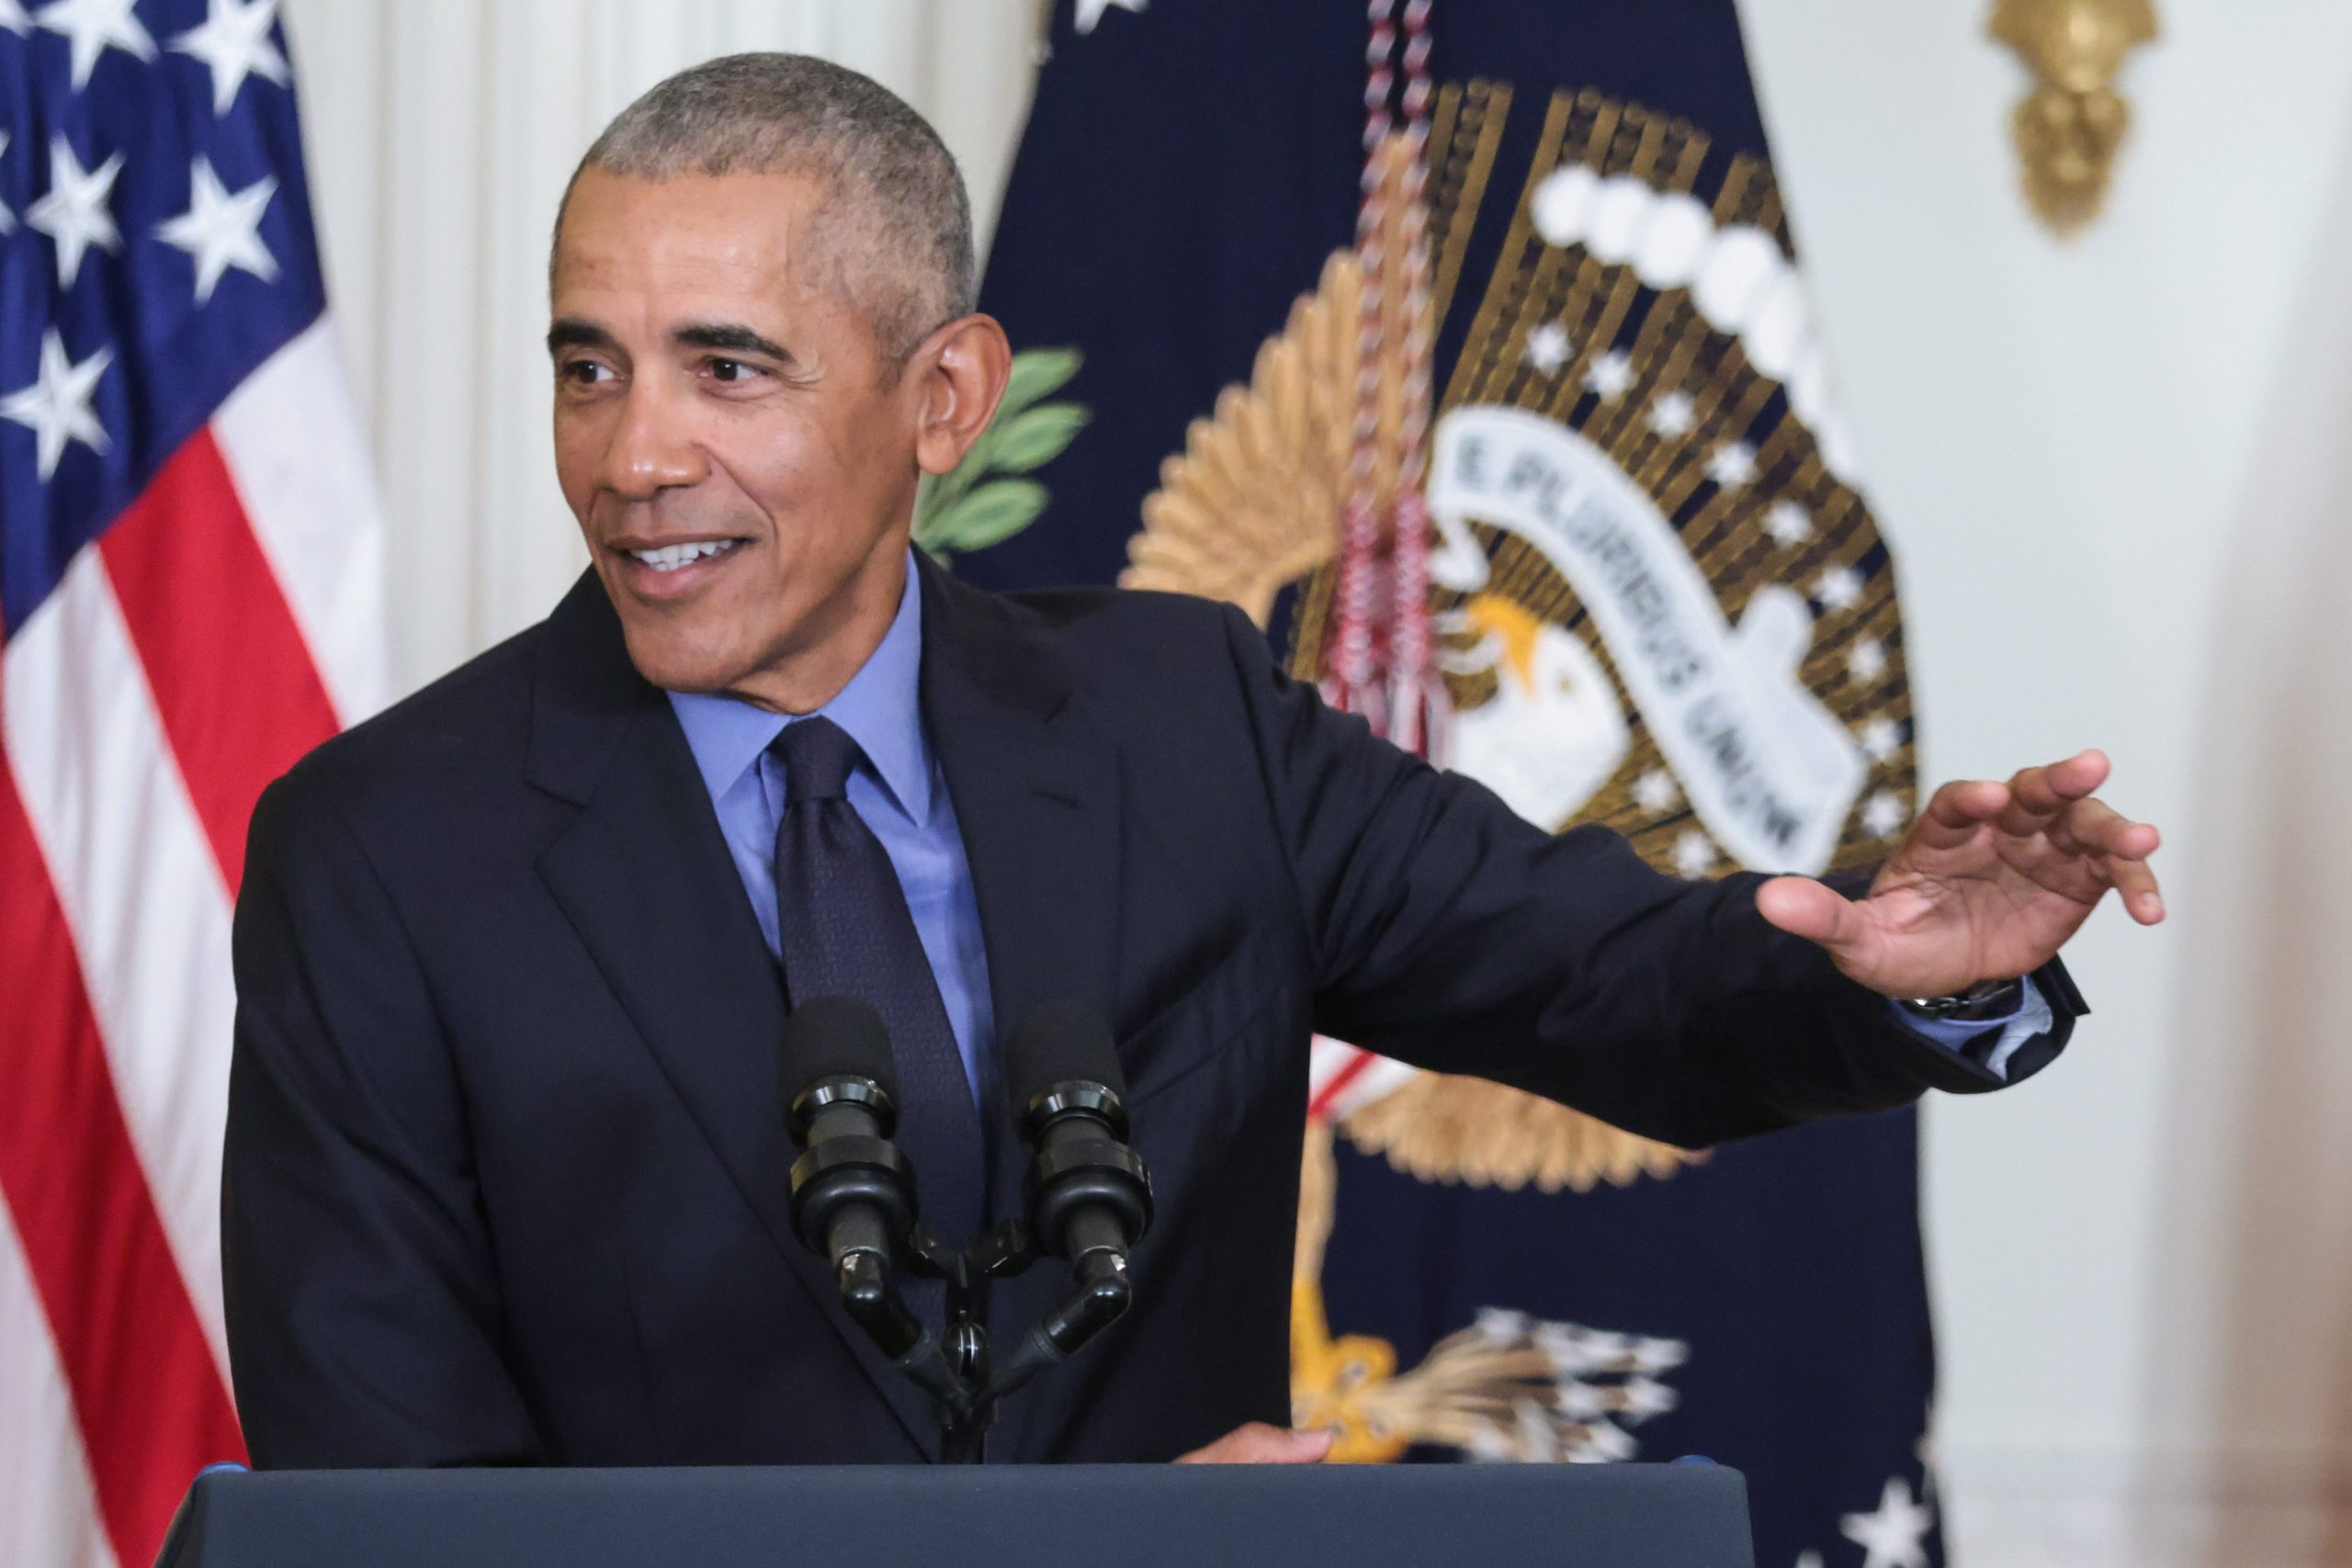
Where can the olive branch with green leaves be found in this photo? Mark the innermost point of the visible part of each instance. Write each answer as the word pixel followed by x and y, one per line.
pixel 980 503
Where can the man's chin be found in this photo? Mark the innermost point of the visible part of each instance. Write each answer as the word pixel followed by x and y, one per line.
pixel 677 665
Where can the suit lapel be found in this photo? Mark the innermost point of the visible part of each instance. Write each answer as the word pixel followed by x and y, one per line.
pixel 644 875
pixel 1036 800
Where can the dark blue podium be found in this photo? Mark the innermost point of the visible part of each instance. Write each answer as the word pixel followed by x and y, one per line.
pixel 1686 1515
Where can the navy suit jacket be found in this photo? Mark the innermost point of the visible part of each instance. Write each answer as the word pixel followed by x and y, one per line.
pixel 506 1171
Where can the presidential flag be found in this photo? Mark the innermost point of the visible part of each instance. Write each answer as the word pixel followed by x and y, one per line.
pixel 189 581
pixel 1254 250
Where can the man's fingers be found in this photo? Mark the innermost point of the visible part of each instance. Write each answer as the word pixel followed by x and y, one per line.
pixel 2135 884
pixel 1954 813
pixel 1805 908
pixel 2038 795
pixel 1258 1443
pixel 2099 828
pixel 2122 848
pixel 2095 831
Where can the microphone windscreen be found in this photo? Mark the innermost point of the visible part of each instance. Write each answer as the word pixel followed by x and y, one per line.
pixel 836 1037
pixel 1060 1042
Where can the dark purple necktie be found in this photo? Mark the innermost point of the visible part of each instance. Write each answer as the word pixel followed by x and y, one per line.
pixel 845 931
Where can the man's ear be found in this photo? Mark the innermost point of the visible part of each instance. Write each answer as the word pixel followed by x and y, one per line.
pixel 961 370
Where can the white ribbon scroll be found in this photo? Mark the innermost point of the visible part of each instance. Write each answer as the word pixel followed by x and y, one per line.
pixel 1771 773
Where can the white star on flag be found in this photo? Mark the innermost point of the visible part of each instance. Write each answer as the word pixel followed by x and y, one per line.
pixel 1091 12
pixel 1867 659
pixel 1733 464
pixel 1883 815
pixel 7 218
pixel 1611 376
pixel 1839 587
pixel 12 18
pixel 1882 737
pixel 1694 852
pixel 56 407
pixel 1896 1536
pixel 1656 791
pixel 1548 347
pixel 1808 1560
pixel 1788 522
pixel 219 228
pixel 1674 416
pixel 94 26
pixel 233 41
pixel 74 212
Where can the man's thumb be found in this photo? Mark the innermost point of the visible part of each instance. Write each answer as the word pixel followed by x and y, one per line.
pixel 1805 908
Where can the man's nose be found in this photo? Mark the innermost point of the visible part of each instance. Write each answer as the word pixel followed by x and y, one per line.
pixel 653 448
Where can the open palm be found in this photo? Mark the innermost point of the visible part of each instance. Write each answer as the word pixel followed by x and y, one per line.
pixel 1991 882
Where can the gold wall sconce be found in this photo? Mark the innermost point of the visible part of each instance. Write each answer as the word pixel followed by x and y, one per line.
pixel 2069 127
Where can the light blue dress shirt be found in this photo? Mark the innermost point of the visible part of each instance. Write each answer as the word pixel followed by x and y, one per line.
pixel 896 790
pixel 2030 1017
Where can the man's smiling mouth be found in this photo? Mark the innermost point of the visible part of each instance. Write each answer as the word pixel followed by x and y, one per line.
pixel 662 560
pixel 670 557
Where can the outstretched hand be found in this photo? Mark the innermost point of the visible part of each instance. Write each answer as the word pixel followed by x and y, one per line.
pixel 1991 882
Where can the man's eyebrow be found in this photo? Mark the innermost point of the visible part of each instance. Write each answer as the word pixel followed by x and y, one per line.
pixel 570 332
pixel 728 337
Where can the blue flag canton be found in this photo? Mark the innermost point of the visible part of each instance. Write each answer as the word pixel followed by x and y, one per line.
pixel 155 248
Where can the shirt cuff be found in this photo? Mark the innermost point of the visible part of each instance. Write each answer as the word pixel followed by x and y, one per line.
pixel 1988 1041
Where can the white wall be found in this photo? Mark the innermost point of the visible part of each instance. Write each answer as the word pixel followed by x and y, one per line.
pixel 2111 473
pixel 2109 535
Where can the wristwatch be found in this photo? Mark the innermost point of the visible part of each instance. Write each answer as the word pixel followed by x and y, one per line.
pixel 1986 1000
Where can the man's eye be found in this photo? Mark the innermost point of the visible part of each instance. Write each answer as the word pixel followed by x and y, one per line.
pixel 584 372
pixel 731 370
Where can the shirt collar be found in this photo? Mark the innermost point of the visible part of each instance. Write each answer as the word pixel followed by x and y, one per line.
pixel 880 709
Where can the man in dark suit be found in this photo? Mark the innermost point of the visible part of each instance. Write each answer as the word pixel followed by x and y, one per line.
pixel 506 1171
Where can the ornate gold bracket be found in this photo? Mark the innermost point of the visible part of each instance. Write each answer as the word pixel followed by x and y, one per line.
pixel 2070 126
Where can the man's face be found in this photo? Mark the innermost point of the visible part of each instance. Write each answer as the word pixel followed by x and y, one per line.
pixel 741 462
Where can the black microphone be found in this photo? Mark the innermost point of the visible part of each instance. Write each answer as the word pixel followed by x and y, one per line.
pixel 1089 1197
pixel 853 1192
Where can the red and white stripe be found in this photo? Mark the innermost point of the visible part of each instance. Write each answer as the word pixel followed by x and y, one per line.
pixel 1341 1080
pixel 226 623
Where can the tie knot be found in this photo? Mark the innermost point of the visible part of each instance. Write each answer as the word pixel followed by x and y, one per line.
pixel 816 755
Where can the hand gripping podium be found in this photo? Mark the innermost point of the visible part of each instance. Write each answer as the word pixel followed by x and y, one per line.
pixel 1682 1515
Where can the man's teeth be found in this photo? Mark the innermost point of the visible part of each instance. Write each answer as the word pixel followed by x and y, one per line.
pixel 670 557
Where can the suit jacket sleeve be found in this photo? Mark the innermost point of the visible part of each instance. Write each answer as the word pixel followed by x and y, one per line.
pixel 362 1296
pixel 1448 932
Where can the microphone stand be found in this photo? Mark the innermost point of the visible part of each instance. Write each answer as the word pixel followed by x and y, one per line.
pixel 956 1370
pixel 1088 1198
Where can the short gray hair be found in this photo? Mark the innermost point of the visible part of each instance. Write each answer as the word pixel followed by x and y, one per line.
pixel 897 236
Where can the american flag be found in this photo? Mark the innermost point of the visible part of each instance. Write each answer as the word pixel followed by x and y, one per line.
pixel 189 582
